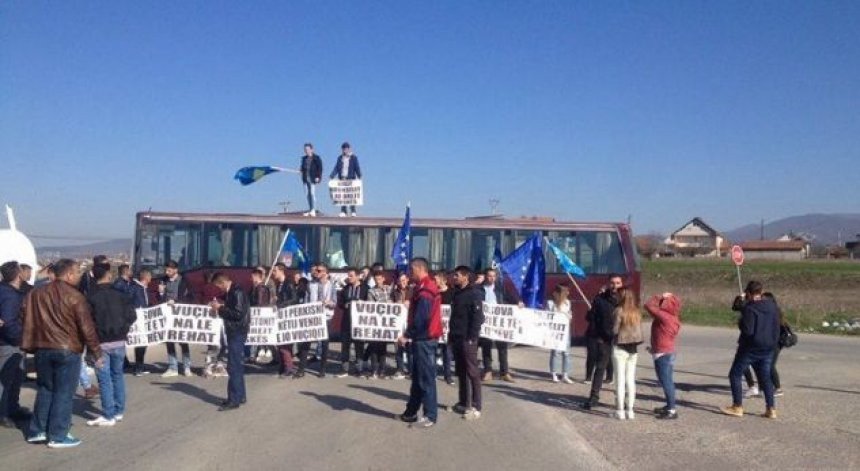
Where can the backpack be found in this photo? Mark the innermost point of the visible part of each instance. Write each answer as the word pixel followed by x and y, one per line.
pixel 787 337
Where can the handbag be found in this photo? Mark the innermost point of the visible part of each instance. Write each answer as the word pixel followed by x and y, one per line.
pixel 787 337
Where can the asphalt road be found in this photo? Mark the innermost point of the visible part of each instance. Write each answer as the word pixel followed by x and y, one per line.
pixel 348 424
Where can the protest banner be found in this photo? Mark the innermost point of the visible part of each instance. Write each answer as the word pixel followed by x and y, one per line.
pixel 377 322
pixel 191 323
pixel 446 318
pixel 148 328
pixel 500 323
pixel 545 329
pixel 346 192
pixel 262 330
pixel 301 323
pixel 542 329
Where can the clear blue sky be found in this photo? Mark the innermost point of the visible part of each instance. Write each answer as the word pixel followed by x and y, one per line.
pixel 726 110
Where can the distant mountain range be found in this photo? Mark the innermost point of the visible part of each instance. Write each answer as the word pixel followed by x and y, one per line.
pixel 111 248
pixel 824 229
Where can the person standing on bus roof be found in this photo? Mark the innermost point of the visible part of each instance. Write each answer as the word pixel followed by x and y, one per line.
pixel 495 293
pixel 173 289
pixel 311 169
pixel 346 168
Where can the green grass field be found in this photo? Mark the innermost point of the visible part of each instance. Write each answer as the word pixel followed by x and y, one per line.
pixel 809 292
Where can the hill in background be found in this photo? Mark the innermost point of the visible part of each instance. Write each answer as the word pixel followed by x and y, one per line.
pixel 114 248
pixel 826 229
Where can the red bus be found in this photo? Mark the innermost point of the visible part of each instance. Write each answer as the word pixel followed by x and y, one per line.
pixel 203 243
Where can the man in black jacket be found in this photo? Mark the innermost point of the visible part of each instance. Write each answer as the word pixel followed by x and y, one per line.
pixel 11 356
pixel 464 330
pixel 600 332
pixel 113 315
pixel 354 290
pixel 236 312
pixel 759 336
pixel 311 170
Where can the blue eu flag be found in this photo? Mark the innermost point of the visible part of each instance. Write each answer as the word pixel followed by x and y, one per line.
pixel 565 262
pixel 526 268
pixel 401 253
pixel 293 249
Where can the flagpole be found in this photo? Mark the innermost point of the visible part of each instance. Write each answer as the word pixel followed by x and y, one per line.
pixel 282 169
pixel 275 261
pixel 576 285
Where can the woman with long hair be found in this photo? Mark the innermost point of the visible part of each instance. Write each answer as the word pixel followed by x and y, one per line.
pixel 559 303
pixel 627 327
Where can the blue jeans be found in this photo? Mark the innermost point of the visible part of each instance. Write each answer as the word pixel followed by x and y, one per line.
pixel 761 362
pixel 423 389
pixel 112 382
pixel 565 361
pixel 57 378
pixel 310 191
pixel 664 366
pixel 398 359
pixel 11 377
pixel 445 352
pixel 236 367
pixel 172 364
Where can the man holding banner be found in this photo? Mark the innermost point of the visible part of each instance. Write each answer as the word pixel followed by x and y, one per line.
pixel 354 290
pixel 236 312
pixel 494 293
pixel 346 168
pixel 423 329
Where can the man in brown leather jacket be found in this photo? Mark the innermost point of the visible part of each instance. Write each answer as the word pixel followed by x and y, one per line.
pixel 58 324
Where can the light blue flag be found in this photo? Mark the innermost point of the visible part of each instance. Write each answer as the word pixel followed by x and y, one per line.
pixel 248 175
pixel 566 263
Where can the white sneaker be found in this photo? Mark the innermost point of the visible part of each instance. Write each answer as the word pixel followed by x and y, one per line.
pixel 424 422
pixel 170 374
pixel 342 214
pixel 118 417
pixel 472 414
pixel 753 392
pixel 630 415
pixel 567 379
pixel 554 378
pixel 314 213
pixel 100 421
pixel 306 214
pixel 620 415
pixel 353 214
pixel 187 372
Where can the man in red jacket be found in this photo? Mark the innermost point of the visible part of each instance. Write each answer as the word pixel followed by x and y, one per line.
pixel 665 309
pixel 423 329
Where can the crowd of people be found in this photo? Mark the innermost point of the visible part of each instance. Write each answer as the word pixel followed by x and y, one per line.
pixel 70 318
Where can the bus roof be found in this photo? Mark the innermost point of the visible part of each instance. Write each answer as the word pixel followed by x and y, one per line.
pixel 491 222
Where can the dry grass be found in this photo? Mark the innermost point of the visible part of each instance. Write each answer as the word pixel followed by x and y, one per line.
pixel 809 292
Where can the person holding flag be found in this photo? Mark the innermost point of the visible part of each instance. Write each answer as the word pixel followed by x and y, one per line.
pixel 311 169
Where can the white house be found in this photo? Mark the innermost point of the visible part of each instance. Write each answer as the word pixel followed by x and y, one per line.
pixel 697 239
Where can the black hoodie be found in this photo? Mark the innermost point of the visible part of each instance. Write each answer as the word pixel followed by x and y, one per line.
pixel 113 314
